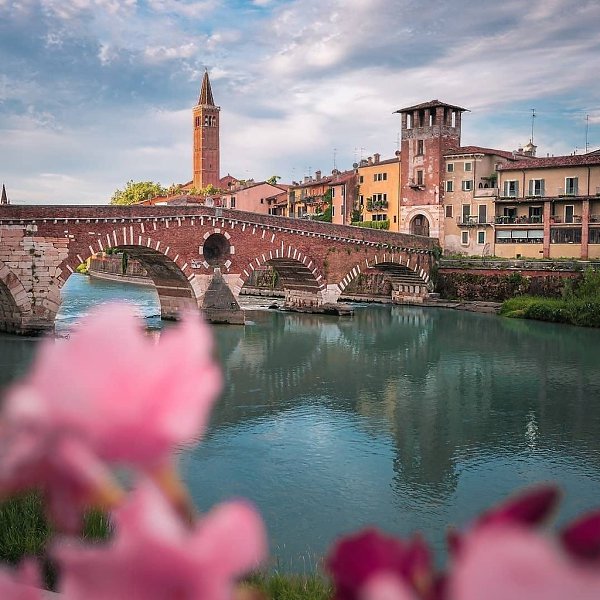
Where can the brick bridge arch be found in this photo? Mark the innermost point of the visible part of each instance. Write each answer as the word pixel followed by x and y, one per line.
pixel 43 245
pixel 301 278
pixel 15 304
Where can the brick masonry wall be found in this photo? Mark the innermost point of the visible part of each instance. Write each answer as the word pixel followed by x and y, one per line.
pixel 43 245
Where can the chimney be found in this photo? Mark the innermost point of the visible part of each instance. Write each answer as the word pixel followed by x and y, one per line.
pixel 318 175
pixel 370 160
pixel 306 179
pixel 376 158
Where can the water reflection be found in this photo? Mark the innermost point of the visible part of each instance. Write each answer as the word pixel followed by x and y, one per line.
pixel 404 417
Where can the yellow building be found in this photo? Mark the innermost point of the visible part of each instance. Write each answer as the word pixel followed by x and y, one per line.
pixel 468 197
pixel 549 207
pixel 379 190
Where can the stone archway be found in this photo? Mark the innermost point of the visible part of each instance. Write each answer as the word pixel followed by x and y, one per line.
pixel 419 225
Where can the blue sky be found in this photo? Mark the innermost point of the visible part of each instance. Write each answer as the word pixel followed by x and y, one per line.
pixel 96 92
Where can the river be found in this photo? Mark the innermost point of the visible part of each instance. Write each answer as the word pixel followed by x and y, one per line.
pixel 403 417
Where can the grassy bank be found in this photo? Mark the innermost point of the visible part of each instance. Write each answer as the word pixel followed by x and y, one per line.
pixel 579 305
pixel 24 531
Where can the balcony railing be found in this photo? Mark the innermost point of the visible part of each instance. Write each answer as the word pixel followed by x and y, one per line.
pixel 472 221
pixel 520 220
pixel 570 221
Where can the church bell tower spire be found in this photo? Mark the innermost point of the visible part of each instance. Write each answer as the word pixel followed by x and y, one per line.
pixel 206 138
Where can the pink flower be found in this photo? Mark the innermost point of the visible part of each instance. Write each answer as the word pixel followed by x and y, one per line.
pixel 154 556
pixel 497 562
pixel 370 564
pixel 582 538
pixel 22 584
pixel 111 394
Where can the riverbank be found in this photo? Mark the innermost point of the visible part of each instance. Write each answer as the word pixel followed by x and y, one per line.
pixel 132 279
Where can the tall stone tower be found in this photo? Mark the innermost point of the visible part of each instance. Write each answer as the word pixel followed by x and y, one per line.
pixel 206 138
pixel 428 130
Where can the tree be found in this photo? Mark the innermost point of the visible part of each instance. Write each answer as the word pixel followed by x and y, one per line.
pixel 273 179
pixel 136 191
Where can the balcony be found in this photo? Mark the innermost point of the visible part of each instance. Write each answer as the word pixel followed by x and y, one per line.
pixel 567 191
pixel 375 205
pixel 561 220
pixel 520 220
pixel 472 221
pixel 489 192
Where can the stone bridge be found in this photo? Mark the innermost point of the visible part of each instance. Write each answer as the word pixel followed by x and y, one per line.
pixel 198 257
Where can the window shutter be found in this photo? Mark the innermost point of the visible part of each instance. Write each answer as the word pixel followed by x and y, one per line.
pixel 516 189
pixel 575 182
pixel 531 188
pixel 506 188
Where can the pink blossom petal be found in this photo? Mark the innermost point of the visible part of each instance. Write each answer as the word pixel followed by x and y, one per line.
pixel 113 390
pixel 20 584
pixel 530 507
pixel 501 562
pixel 582 538
pixel 154 557
pixel 386 587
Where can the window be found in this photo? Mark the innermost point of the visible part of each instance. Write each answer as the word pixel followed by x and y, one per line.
pixel 409 121
pixel 569 213
pixel 332 210
pixel 481 237
pixel 262 200
pixel 519 236
pixel 449 186
pixel 361 179
pixel 466 211
pixel 468 166
pixel 449 211
pixel 450 167
pixel 536 187
pixel 380 177
pixel 572 235
pixel 535 214
pixel 511 188
pixel 332 192
pixel 420 147
pixel 464 238
pixel 571 186
pixel 482 214
pixel 395 218
pixel 361 200
pixel 232 201
pixel 594 237
pixel 419 177
pixel 467 185
pixel 382 217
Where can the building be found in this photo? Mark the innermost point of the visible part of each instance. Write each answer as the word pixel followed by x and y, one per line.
pixel 379 190
pixel 206 139
pixel 469 194
pixel 549 207
pixel 258 197
pixel 312 197
pixel 428 131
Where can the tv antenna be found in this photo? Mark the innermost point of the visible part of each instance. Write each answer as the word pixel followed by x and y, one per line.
pixel 334 158
pixel 532 122
pixel 587 129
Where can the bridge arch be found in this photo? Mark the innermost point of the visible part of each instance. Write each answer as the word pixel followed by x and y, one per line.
pixel 176 283
pixel 14 301
pixel 302 280
pixel 407 282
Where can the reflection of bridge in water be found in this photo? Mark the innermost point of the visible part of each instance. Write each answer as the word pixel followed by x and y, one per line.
pixel 443 385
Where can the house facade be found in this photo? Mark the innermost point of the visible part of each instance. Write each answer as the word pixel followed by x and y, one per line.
pixel 549 208
pixel 379 190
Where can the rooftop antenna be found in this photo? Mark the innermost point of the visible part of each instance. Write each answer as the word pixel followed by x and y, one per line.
pixel 334 158
pixel 587 129
pixel 398 141
pixel 532 121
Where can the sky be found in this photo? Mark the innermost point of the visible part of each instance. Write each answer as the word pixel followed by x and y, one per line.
pixel 94 93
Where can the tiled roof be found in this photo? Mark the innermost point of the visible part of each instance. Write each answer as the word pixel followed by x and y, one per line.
pixel 481 150
pixel 574 160
pixel 430 104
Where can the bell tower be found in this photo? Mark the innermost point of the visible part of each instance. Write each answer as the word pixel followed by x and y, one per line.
pixel 206 138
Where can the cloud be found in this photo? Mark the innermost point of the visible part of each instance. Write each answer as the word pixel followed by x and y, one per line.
pixel 102 90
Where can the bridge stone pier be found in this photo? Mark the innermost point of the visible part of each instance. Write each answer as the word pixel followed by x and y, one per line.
pixel 198 257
